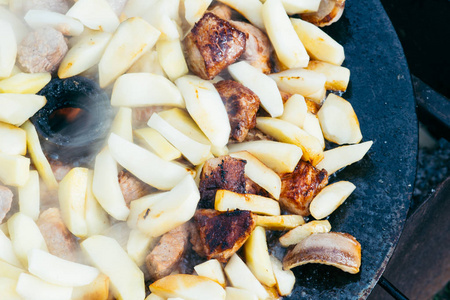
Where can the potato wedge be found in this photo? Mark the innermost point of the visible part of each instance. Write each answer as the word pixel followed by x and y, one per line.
pixel 299 81
pixel 139 206
pixel 213 270
pixel 13 140
pixel 330 198
pixel 144 89
pixel 239 294
pixel 280 157
pixel 29 196
pixel 257 257
pixel 285 278
pixel 67 25
pixel 96 217
pixel 15 109
pixel 154 297
pixel 282 222
pixel 337 77
pixel 8 49
pixel 261 84
pixel 288 47
pixel 96 290
pixel 25 83
pixel 295 110
pixel 148 63
pixel 301 232
pixel 31 287
pixel 126 279
pixel 7 253
pixel 227 200
pixel 14 169
pixel 9 271
pixel 250 9
pixel 132 39
pixel 122 124
pixel 338 121
pixel 319 45
pixel 95 14
pixel 139 245
pixel 19 27
pixel 171 58
pixel 312 126
pixel 343 156
pixel 157 143
pixel 293 7
pixel 194 10
pixel 289 133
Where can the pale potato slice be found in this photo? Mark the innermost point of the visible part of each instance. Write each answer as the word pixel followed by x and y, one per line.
pixel 96 217
pixel 211 269
pixel 67 25
pixel 94 14
pixel 319 45
pixel 13 140
pixel 301 232
pixel 96 290
pixel 37 156
pixel 205 106
pixel 132 39
pixel 156 16
pixel 25 83
pixel 330 198
pixel 31 287
pixel 29 196
pixel 145 165
pixel 145 89
pixel 25 236
pixel 157 143
pixel 257 257
pixel 171 58
pixel 340 157
pixel 261 84
pixel 139 245
pixel 8 49
pixel 72 200
pixel 4 228
pixel 171 211
pixel 299 81
pixel 285 278
pixel 293 7
pixel 84 54
pixel 55 270
pixel 260 173
pixel 7 254
pixel 15 109
pixel 105 186
pixel 126 279
pixel 289 133
pixel 282 222
pixel 9 271
pixel 295 110
pixel 154 297
pixel 250 9
pixel 337 77
pixel 312 126
pixel 227 200
pixel 122 123
pixel 194 10
pixel 280 157
pixel 14 169
pixel 188 287
pixel 239 294
pixel 138 206
pixel 136 8
pixel 319 96
pixel 240 276
pixel 148 63
pixel 19 27
pixel 288 47
pixel 338 121
pixel 194 151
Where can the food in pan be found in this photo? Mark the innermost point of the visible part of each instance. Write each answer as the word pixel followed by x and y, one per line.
pixel 157 148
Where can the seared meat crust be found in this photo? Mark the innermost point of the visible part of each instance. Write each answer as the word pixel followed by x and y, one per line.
pixel 212 45
pixel 221 234
pixel 132 187
pixel 300 187
pixel 241 105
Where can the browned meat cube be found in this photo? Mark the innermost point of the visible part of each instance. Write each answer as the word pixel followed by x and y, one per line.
pixel 6 197
pixel 132 187
pixel 241 104
pixel 223 172
pixel 300 187
pixel 168 253
pixel 60 241
pixel 221 234
pixel 212 45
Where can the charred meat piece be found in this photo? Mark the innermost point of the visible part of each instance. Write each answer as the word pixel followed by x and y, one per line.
pixel 168 253
pixel 132 187
pixel 6 197
pixel 212 45
pixel 241 104
pixel 221 234
pixel 223 172
pixel 60 241
pixel 257 46
pixel 42 50
pixel 300 187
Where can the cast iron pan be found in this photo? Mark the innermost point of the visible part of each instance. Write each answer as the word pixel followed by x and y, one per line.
pixel 381 93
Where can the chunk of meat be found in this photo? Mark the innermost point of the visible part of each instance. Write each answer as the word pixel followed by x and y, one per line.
pixel 42 50
pixel 258 48
pixel 221 234
pixel 329 12
pixel 255 134
pixel 6 197
pixel 168 253
pixel 59 6
pixel 212 45
pixel 59 169
pixel 132 187
pixel 300 187
pixel 60 241
pixel 221 10
pixel 241 104
pixel 223 172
